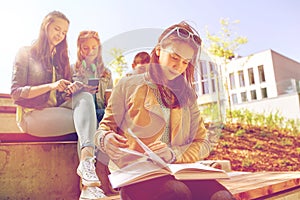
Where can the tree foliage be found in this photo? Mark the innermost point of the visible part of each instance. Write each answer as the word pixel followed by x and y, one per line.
pixel 118 64
pixel 225 43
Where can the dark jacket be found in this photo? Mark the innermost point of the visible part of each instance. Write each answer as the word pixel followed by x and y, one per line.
pixel 28 72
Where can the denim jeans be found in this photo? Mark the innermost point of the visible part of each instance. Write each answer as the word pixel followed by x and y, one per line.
pixel 75 115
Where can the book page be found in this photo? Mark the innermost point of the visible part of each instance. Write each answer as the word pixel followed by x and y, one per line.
pixel 190 166
pixel 148 151
pixel 133 152
pixel 153 166
pixel 136 172
pixel 196 171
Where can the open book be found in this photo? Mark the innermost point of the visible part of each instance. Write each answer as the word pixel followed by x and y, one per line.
pixel 154 167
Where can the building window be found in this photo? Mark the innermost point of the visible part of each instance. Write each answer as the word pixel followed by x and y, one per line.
pixel 241 78
pixel 204 78
pixel 261 74
pixel 244 96
pixel 234 98
pixel 204 87
pixel 251 76
pixel 264 93
pixel 213 74
pixel 232 82
pixel 253 94
pixel 197 82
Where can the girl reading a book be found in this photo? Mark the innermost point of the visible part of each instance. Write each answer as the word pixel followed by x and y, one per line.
pixel 160 107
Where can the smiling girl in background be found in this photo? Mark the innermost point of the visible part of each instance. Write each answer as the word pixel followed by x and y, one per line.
pixel 89 65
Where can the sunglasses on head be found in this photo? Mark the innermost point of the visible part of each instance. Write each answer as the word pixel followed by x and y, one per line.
pixel 174 54
pixel 184 34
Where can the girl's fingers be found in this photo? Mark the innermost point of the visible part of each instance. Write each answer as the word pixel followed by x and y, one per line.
pixel 157 145
pixel 114 152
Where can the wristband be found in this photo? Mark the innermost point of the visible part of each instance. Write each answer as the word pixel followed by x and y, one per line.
pixel 173 159
pixel 102 147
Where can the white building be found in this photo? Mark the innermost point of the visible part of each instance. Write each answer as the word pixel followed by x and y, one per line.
pixel 265 82
pixel 210 87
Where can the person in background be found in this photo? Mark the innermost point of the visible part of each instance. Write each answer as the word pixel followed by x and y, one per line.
pixel 49 103
pixel 89 65
pixel 140 63
pixel 160 107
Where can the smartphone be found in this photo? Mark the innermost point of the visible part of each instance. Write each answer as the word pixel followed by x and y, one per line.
pixel 93 81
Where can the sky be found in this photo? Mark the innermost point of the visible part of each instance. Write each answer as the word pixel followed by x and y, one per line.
pixel 268 24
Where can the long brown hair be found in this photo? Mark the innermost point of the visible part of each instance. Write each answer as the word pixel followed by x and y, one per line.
pixel 41 48
pixel 180 91
pixel 82 37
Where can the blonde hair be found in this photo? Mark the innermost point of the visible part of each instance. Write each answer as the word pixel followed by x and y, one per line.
pixel 82 37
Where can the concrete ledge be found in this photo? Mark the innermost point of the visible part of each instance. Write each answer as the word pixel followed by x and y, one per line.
pixel 7 109
pixel 39 170
pixel 24 137
pixel 8 115
pixel 8 123
pixel 35 167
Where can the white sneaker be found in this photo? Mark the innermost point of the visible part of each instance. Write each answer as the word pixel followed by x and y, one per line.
pixel 86 170
pixel 91 193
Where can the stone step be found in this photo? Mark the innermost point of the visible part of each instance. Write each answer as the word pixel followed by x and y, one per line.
pixel 39 170
pixel 7 115
pixel 8 123
pixel 5 100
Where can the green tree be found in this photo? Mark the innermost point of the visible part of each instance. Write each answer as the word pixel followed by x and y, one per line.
pixel 118 64
pixel 224 45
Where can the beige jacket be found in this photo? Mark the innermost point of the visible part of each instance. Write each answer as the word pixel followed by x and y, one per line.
pixel 134 105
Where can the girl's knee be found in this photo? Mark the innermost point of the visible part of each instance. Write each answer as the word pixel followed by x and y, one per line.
pixel 85 95
pixel 176 190
pixel 166 190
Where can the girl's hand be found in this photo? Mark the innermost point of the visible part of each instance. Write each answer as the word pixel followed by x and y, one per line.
pixel 162 150
pixel 112 143
pixel 74 87
pixel 91 89
pixel 60 85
